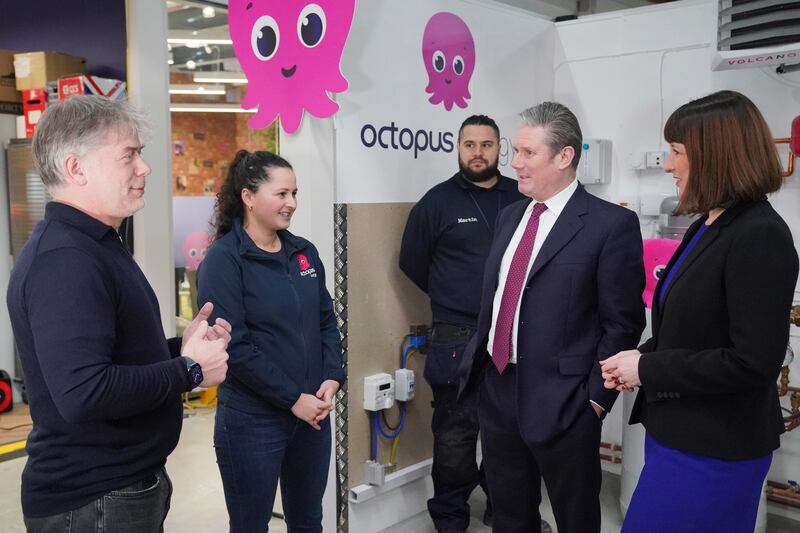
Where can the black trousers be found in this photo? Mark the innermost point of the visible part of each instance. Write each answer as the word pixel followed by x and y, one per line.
pixel 569 464
pixel 455 472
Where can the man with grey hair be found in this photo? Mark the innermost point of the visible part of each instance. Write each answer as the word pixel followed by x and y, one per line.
pixel 104 383
pixel 562 289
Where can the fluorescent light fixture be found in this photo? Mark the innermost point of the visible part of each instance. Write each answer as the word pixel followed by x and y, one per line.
pixel 196 89
pixel 205 108
pixel 198 41
pixel 219 77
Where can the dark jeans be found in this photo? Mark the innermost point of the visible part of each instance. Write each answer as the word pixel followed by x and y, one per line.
pixel 254 451
pixel 137 508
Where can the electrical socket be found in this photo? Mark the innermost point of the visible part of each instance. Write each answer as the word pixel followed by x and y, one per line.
pixel 655 159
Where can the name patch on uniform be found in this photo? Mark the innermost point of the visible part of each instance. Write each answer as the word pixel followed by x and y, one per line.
pixel 470 219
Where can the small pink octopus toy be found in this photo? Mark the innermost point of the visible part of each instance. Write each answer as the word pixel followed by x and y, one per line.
pixel 290 51
pixel 657 253
pixel 195 246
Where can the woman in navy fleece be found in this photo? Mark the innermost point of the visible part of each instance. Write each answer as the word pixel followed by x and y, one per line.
pixel 285 361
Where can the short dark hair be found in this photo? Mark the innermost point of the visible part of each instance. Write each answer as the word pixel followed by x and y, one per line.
pixel 732 158
pixel 479 120
pixel 248 170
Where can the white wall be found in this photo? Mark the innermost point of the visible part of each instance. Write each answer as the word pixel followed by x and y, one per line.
pixel 624 73
pixel 384 63
pixel 310 150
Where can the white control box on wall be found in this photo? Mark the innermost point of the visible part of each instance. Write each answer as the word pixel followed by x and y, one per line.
pixel 378 392
pixel 595 164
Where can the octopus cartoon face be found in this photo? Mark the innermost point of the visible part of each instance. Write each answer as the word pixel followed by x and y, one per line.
pixel 449 54
pixel 195 246
pixel 290 53
pixel 302 261
pixel 657 253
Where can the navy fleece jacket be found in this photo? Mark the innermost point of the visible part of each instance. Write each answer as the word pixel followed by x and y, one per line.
pixel 284 340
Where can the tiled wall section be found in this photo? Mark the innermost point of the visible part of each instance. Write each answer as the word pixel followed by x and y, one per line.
pixel 203 145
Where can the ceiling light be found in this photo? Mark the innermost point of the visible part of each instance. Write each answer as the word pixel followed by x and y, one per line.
pixel 198 41
pixel 220 77
pixel 191 65
pixel 209 12
pixel 196 89
pixel 205 108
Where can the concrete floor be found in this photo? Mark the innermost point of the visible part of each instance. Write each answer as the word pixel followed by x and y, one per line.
pixel 198 505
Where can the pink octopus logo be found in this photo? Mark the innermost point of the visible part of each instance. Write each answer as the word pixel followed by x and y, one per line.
pixel 302 260
pixel 448 50
pixel 290 53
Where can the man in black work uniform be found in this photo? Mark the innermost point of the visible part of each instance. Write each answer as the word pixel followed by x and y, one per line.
pixel 444 248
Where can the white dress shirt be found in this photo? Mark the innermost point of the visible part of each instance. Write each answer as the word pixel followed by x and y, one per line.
pixel 546 222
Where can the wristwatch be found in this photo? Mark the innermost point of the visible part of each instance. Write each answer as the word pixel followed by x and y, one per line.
pixel 194 372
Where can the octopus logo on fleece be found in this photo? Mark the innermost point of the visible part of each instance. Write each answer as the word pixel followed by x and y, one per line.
pixel 290 53
pixel 448 50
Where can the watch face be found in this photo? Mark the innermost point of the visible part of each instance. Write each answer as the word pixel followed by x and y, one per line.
pixel 195 375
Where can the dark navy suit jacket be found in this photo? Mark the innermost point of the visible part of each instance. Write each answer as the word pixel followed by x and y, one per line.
pixel 582 302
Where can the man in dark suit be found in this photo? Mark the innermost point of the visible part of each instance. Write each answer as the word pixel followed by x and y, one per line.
pixel 562 289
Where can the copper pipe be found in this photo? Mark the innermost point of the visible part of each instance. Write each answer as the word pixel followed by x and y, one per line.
pixel 793 420
pixel 790 162
pixel 783 501
pixel 782 493
pixel 794 315
pixel 783 388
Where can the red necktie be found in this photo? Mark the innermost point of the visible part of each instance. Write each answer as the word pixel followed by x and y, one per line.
pixel 501 348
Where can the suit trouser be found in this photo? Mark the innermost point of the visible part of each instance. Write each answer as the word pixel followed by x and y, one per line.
pixel 569 464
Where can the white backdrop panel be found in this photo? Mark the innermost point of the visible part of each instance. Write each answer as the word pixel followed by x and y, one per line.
pixel 387 101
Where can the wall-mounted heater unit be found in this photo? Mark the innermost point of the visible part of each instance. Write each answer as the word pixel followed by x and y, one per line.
pixel 757 33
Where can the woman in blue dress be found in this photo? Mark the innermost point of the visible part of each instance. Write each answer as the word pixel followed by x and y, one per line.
pixel 707 377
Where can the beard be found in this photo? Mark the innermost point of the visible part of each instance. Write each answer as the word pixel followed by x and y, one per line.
pixel 478 177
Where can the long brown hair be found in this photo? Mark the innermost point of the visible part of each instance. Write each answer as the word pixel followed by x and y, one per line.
pixel 732 158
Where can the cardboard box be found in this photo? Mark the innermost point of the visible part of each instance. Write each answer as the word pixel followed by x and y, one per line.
pixel 75 85
pixel 35 69
pixel 34 102
pixel 10 97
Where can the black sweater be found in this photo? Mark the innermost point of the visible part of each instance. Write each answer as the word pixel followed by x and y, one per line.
pixel 446 241
pixel 284 340
pixel 103 382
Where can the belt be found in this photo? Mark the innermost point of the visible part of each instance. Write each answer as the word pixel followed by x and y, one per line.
pixel 450 332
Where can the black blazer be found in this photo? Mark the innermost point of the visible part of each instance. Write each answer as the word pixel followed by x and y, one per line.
pixel 582 301
pixel 709 372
